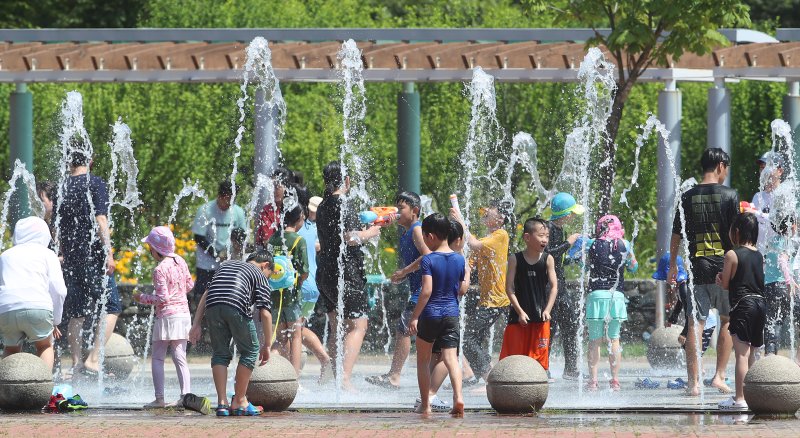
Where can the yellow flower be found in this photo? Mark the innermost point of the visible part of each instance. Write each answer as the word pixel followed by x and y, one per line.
pixel 389 250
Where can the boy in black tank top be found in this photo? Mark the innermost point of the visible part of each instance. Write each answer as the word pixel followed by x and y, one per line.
pixel 743 277
pixel 532 287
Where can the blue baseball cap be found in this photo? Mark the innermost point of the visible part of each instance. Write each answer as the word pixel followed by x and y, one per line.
pixel 563 204
pixel 663 269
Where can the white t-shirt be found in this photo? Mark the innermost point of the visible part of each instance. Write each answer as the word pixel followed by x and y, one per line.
pixel 216 225
pixel 762 201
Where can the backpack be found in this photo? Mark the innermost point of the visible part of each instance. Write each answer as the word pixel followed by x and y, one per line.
pixel 284 275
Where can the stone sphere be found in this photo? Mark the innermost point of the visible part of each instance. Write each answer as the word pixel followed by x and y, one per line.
pixel 517 385
pixel 273 385
pixel 664 351
pixel 772 386
pixel 25 382
pixel 119 357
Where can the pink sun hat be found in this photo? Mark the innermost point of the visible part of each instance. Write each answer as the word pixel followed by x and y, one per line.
pixel 162 241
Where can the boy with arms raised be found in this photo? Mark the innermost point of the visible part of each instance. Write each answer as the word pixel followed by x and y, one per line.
pixel 532 288
pixel 435 320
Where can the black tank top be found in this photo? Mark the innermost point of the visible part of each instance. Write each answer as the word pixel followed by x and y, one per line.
pixel 530 288
pixel 749 276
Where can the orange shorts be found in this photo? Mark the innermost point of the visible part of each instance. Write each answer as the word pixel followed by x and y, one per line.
pixel 532 340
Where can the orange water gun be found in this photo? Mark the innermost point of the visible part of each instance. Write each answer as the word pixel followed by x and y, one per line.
pixel 378 216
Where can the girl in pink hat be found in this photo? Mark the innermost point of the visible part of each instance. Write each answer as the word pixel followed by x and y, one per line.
pixel 171 283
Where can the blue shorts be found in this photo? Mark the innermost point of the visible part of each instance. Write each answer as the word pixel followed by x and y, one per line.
pixel 84 295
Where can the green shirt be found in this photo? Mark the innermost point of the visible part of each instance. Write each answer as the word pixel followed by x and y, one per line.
pixel 292 245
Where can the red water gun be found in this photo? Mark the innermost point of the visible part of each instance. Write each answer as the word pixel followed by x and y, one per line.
pixel 745 206
pixel 378 216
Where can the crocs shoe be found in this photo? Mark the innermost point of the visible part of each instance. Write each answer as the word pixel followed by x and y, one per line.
pixel 74 403
pixel 647 383
pixel 437 404
pixel 678 383
pixel 730 404
pixel 223 410
pixel 249 411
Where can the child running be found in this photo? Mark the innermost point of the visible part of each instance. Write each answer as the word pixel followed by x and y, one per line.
pixel 609 255
pixel 743 277
pixel 171 284
pixel 532 287
pixel 435 320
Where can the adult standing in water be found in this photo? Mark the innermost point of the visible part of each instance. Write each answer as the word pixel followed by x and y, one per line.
pixel 709 209
pixel 337 221
pixel 213 226
pixel 85 243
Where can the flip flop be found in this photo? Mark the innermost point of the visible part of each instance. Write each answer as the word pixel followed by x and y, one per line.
pixel 197 403
pixel 382 381
pixel 249 411
pixel 678 383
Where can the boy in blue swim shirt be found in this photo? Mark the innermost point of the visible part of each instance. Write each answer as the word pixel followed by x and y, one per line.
pixel 435 320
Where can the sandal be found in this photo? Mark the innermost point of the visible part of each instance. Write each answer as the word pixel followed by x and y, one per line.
pixel 223 410
pixel 249 411
pixel 647 383
pixel 678 383
pixel 615 386
pixel 591 386
pixel 382 381
pixel 197 403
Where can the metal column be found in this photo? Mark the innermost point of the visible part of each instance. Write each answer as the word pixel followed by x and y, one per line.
pixel 719 119
pixel 265 157
pixel 21 145
pixel 669 113
pixel 791 114
pixel 408 127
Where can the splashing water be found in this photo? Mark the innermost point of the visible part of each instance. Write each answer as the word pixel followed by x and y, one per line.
pixel 351 156
pixel 122 158
pixel 258 71
pixel 187 190
pixel 20 178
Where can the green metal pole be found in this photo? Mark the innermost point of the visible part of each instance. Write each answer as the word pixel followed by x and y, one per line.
pixel 21 141
pixel 408 127
pixel 791 114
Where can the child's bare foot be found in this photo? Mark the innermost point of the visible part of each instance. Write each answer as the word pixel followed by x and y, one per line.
pixel 458 409
pixel 720 385
pixel 693 391
pixel 156 404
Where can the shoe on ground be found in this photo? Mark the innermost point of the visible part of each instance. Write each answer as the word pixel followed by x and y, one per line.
pixel 466 383
pixel 678 383
pixel 591 386
pixel 647 383
pixel 52 405
pixel 730 404
pixel 74 403
pixel 437 404
pixel 615 386
pixel 197 404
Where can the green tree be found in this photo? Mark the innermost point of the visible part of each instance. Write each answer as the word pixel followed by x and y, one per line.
pixel 643 34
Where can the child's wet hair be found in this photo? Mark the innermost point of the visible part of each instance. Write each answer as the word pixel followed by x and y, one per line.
pixel 745 226
pixel 456 231
pixel 784 225
pixel 260 256
pixel 436 224
pixel 409 198
pixel 503 207
pixel 292 216
pixel 530 224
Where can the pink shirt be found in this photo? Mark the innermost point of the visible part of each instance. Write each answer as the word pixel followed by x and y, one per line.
pixel 171 283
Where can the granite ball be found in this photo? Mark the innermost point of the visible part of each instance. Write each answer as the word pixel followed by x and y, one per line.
pixel 772 386
pixel 119 357
pixel 273 385
pixel 25 383
pixel 517 385
pixel 664 351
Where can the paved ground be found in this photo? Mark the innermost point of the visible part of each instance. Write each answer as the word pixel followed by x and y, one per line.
pixel 397 425
pixel 371 412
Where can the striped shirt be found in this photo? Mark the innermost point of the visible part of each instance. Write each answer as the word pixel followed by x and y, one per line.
pixel 240 285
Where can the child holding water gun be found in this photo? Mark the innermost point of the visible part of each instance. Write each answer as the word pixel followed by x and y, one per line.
pixel 171 282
